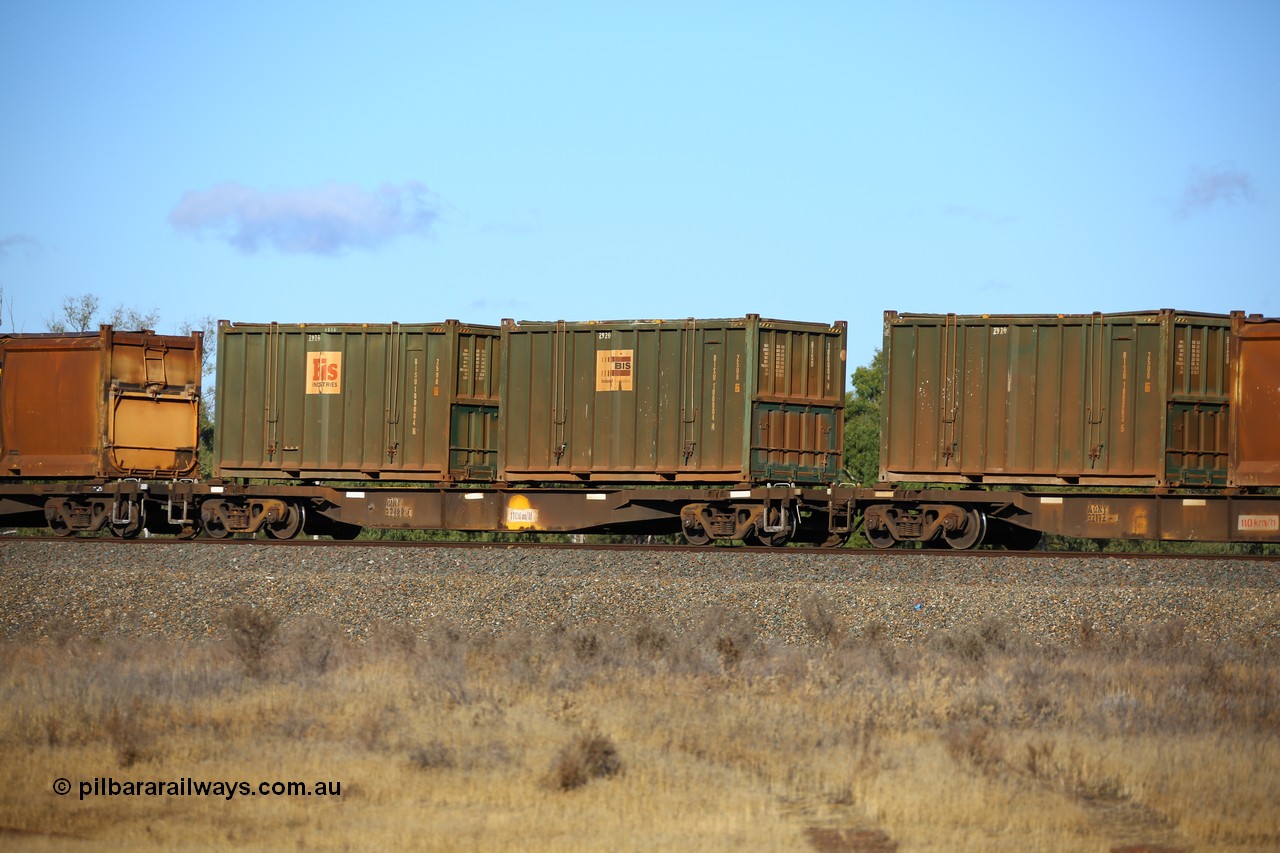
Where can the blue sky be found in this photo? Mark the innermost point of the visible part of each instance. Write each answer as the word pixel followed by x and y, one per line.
pixel 814 161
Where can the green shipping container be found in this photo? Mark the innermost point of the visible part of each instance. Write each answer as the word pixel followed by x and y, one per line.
pixel 1098 399
pixel 375 401
pixel 701 401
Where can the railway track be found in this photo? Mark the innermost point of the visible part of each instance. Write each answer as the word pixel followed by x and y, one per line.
pixel 977 554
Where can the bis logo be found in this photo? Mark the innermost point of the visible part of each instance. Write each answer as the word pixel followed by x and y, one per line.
pixel 324 373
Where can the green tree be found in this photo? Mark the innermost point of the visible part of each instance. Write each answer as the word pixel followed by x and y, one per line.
pixel 77 314
pixel 862 422
pixel 132 319
pixel 208 326
pixel 80 314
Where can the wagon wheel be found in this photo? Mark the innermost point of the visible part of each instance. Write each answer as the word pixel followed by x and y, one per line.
pixel 971 535
pixel 880 538
pixel 291 525
pixel 131 528
pixel 694 533
pixel 59 526
pixel 214 528
pixel 696 536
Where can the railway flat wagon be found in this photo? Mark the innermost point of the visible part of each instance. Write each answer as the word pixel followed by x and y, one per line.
pixel 413 402
pixel 728 401
pixel 1138 399
pixel 99 405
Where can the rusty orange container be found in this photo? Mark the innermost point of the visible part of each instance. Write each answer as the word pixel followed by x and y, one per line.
pixel 743 400
pixel 393 401
pixel 1094 399
pixel 104 405
pixel 1255 400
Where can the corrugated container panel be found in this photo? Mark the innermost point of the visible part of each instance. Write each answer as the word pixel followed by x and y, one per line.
pixel 105 404
pixel 1103 398
pixel 1255 401
pixel 721 401
pixel 375 401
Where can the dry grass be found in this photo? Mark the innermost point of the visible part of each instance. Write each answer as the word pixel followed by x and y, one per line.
pixel 642 736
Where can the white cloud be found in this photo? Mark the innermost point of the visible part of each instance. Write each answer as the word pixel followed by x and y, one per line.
pixel 323 220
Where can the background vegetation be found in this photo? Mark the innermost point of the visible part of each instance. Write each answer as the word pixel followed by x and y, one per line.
pixel 640 736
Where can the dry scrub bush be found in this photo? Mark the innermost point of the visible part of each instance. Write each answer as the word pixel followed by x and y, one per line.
pixel 126 729
pixel 821 620
pixel 589 755
pixel 310 646
pixel 650 640
pixel 253 633
pixel 974 745
pixel 433 756
pixel 731 635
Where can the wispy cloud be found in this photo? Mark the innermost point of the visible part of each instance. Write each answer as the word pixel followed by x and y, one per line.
pixel 1205 189
pixel 323 220
pixel 28 246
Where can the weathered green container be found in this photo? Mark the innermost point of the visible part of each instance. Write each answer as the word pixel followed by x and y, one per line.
pixel 705 401
pixel 374 401
pixel 1098 399
pixel 102 405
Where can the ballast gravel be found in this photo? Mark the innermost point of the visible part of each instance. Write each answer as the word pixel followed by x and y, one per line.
pixel 182 590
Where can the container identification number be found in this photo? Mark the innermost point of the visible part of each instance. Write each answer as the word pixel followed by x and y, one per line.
pixel 1100 514
pixel 398 508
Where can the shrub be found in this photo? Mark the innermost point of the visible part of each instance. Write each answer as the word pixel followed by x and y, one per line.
pixel 311 645
pixel 253 635
pixel 433 756
pixel 821 619
pixel 588 756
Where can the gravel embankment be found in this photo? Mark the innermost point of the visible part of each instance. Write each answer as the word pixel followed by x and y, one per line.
pixel 180 590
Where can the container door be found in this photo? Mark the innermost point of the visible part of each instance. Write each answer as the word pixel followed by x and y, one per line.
pixel 154 436
pixel 473 420
pixel 51 397
pixel 473 443
pixel 1255 401
pixel 797 413
pixel 1125 431
pixel 1197 417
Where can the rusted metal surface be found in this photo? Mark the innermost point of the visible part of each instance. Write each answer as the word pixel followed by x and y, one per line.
pixel 710 401
pixel 1255 401
pixel 1195 518
pixel 1012 518
pixel 1101 399
pixel 395 401
pixel 100 404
